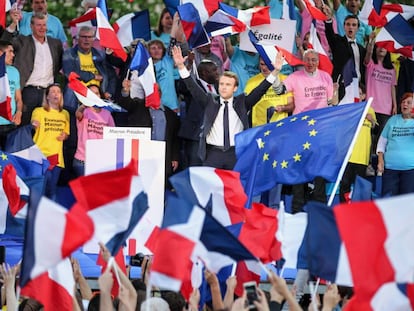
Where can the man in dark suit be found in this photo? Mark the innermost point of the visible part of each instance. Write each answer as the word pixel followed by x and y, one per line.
pixel 224 114
pixel 192 116
pixel 344 49
pixel 38 59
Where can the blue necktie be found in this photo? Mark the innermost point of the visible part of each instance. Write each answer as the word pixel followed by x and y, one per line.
pixel 226 129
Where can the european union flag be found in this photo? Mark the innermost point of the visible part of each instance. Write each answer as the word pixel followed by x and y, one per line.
pixel 298 148
pixel 24 168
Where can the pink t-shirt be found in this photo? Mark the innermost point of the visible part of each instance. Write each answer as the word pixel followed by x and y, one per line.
pixel 91 127
pixel 380 82
pixel 309 92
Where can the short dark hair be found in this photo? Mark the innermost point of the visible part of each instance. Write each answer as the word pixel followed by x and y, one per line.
pixel 354 17
pixel 4 44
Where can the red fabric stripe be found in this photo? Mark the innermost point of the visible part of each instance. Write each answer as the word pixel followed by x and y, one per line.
pixel 108 39
pixel 49 293
pixel 261 17
pixel 104 186
pixel 234 196
pixel 410 294
pixel 132 247
pixel 79 229
pixel 135 155
pixel 153 100
pixel 364 233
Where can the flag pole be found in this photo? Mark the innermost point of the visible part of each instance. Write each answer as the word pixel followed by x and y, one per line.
pixel 349 152
pixel 252 180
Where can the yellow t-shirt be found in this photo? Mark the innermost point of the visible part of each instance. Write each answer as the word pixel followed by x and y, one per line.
pixel 86 64
pixel 362 149
pixel 269 99
pixel 51 124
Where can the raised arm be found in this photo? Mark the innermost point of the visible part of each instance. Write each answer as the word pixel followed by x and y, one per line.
pixel 370 48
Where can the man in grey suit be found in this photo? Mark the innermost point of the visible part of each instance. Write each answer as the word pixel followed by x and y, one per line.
pixel 225 115
pixel 38 59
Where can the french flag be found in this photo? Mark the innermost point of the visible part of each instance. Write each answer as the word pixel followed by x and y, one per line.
pixel 374 12
pixel 107 36
pixel 205 8
pixel 142 62
pixel 115 211
pixel 378 238
pixel 314 11
pixel 218 191
pixel 222 23
pixel 268 53
pixel 132 26
pixel 397 35
pixel 288 10
pixel 326 255
pixel 54 289
pixel 87 19
pixel 43 250
pixel 172 265
pixel 193 29
pixel 215 245
pixel 83 93
pixel 250 17
pixel 351 83
pixel 5 6
pixel 325 63
pixel 5 95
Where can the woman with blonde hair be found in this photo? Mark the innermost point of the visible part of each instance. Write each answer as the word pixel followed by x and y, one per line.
pixel 51 123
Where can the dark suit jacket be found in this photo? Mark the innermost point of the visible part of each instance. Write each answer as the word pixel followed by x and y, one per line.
pixel 242 104
pixel 25 51
pixel 341 53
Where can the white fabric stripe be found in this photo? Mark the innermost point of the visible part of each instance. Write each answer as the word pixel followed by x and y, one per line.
pixel 164 282
pixel 389 297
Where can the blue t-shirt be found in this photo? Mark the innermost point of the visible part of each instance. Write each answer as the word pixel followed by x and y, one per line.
pixel 164 37
pixel 245 66
pixel 54 26
pixel 399 150
pixel 164 74
pixel 13 76
pixel 363 31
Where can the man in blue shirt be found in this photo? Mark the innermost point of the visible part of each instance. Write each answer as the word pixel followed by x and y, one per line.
pixel 54 25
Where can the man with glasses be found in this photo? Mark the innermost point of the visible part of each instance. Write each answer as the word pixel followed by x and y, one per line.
pixel 38 59
pixel 92 67
pixel 312 89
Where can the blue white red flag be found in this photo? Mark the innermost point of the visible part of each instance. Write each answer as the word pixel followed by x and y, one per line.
pixel 268 53
pixel 83 93
pixel 222 23
pixel 397 35
pixel 325 253
pixel 142 62
pixel 107 36
pixel 87 19
pixel 267 154
pixel 250 17
pixel 132 26
pixel 378 238
pixel 216 247
pixel 171 267
pixel 374 12
pixel 193 29
pixel 351 83
pixel 5 6
pixel 43 250
pixel 205 8
pixel 288 9
pixel 314 11
pixel 115 211
pixel 218 191
pixel 5 95
pixel 54 288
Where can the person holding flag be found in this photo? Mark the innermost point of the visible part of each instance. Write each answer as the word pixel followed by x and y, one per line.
pixel 312 89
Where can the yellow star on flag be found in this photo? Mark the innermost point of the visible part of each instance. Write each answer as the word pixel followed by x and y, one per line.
pixel 3 156
pixel 311 122
pixel 305 117
pixel 279 124
pixel 284 164
pixel 293 119
pixel 267 133
pixel 265 157
pixel 274 164
pixel 297 157
pixel 260 143
pixel 313 132
pixel 306 145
